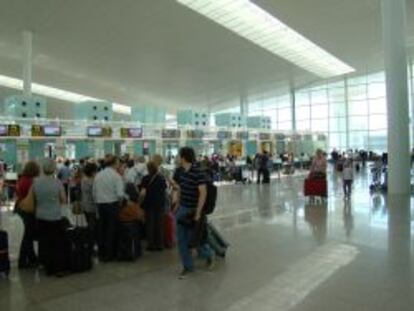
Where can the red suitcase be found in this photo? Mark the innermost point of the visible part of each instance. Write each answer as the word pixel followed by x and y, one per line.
pixel 316 187
pixel 169 230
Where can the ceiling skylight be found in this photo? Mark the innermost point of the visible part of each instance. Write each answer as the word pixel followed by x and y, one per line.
pixel 52 92
pixel 253 23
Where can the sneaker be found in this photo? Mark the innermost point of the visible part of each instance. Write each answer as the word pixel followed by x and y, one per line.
pixel 210 264
pixel 183 274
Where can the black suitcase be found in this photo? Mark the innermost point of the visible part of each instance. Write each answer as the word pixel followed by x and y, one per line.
pixel 4 253
pixel 129 243
pixel 80 249
pixel 216 241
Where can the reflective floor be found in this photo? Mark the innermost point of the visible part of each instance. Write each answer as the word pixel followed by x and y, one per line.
pixel 285 254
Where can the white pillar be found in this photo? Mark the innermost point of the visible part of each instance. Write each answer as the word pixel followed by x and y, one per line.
pixel 394 27
pixel 27 63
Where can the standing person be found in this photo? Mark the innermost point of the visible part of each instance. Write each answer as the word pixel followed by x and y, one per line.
pixel 49 196
pixel 153 187
pixel 318 166
pixel 27 255
pixel 64 175
pixel 263 168
pixel 347 179
pixel 87 202
pixel 108 193
pixel 192 196
pixel 135 174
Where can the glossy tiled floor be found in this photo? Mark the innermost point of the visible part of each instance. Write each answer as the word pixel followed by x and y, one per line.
pixel 285 255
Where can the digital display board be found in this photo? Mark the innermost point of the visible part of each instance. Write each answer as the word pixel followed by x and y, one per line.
pixel 52 130
pixel 14 130
pixel 95 131
pixel 4 130
pixel 195 134
pixel 37 130
pixel 224 135
pixel 242 135
pixel 170 134
pixel 280 136
pixel 131 132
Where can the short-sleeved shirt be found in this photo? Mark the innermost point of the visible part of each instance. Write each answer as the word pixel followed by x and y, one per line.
pixel 189 181
pixel 47 190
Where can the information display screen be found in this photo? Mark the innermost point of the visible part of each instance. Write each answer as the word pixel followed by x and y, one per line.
pixel 167 133
pixel 52 130
pixel 95 131
pixel 195 134
pixel 131 132
pixel 14 130
pixel 224 135
pixel 37 130
pixel 4 130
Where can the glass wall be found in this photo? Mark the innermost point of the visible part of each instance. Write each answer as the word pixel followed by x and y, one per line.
pixel 351 111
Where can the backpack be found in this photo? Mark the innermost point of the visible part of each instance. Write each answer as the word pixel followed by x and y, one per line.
pixel 211 199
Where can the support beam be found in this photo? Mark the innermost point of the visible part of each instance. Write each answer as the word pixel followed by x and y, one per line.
pixel 394 28
pixel 27 63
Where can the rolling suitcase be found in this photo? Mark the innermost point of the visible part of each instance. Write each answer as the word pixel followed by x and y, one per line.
pixel 169 232
pixel 316 187
pixel 129 243
pixel 4 253
pixel 79 248
pixel 217 243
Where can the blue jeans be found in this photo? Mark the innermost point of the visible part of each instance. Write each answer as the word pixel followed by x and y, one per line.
pixel 184 236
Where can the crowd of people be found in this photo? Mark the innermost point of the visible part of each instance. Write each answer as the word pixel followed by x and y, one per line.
pixel 115 195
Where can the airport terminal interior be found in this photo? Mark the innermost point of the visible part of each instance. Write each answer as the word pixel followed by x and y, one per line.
pixel 207 155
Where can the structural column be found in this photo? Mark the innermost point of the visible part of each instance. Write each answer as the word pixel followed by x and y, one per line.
pixel 27 63
pixel 394 28
pixel 293 106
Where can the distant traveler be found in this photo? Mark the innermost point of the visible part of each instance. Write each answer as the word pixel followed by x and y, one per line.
pixel 263 169
pixel 318 166
pixel 49 196
pixel 64 175
pixel 109 193
pixel 193 192
pixel 347 177
pixel 153 187
pixel 27 255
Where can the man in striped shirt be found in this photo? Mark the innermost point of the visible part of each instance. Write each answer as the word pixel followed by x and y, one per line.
pixel 192 196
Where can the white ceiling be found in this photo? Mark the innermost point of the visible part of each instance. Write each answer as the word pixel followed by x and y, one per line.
pixel 158 52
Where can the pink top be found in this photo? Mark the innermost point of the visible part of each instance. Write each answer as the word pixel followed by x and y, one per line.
pixel 318 165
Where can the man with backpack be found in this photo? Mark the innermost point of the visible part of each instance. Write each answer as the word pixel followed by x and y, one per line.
pixel 190 210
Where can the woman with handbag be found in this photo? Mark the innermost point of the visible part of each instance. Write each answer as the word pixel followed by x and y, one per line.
pixel 27 255
pixel 45 199
pixel 153 189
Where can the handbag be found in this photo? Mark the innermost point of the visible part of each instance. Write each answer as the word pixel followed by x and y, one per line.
pixel 27 205
pixel 131 212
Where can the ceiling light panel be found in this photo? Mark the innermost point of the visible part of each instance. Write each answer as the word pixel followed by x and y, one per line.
pixel 255 24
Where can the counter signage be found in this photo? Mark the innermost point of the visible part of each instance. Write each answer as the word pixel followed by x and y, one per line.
pixel 195 134
pixel 4 130
pixel 14 130
pixel 242 135
pixel 52 131
pixel 280 136
pixel 264 136
pixel 224 135
pixel 106 132
pixel 170 134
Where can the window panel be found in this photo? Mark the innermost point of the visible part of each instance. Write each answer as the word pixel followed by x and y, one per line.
pixel 320 112
pixel 358 140
pixel 319 97
pixel 378 141
pixel 337 110
pixel 320 125
pixel 378 122
pixel 284 115
pixel 337 125
pixel 302 99
pixel 358 108
pixel 303 125
pixel 358 123
pixel 376 90
pixel 378 106
pixel 303 113
pixel 357 92
pixel 284 126
pixel 337 140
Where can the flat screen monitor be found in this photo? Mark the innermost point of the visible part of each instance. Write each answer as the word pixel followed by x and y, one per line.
pixel 170 134
pixel 4 130
pixel 95 131
pixel 135 132
pixel 52 130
